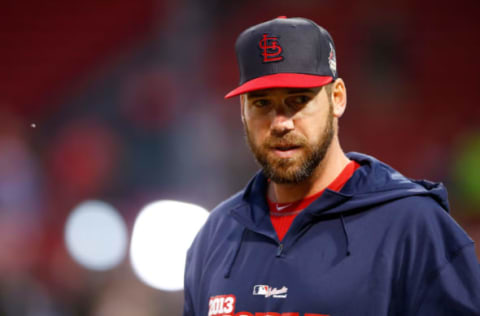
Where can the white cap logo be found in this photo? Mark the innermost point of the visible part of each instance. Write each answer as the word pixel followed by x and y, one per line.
pixel 332 60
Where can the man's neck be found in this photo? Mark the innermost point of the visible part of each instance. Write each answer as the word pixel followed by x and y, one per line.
pixel 328 169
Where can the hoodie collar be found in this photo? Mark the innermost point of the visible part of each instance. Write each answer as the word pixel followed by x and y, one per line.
pixel 254 212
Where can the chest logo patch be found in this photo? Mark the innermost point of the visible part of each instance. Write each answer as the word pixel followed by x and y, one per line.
pixel 221 305
pixel 268 291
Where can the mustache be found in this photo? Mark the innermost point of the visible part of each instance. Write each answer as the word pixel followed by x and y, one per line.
pixel 288 140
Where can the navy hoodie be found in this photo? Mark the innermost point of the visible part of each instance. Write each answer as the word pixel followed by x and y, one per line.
pixel 383 245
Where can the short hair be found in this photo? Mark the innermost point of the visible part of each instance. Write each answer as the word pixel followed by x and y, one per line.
pixel 329 89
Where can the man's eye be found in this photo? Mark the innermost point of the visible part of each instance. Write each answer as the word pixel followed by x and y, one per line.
pixel 297 100
pixel 260 103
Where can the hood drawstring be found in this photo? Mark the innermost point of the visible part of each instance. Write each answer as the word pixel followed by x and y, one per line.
pixel 234 257
pixel 346 234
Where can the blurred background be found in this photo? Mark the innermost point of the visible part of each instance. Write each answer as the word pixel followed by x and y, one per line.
pixel 118 104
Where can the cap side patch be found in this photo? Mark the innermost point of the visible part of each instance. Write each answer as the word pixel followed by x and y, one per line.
pixel 332 60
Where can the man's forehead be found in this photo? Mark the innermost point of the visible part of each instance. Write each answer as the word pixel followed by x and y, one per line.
pixel 277 91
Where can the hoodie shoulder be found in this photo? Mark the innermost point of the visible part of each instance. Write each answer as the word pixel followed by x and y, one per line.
pixel 223 209
pixel 425 216
pixel 219 219
pixel 417 210
pixel 232 202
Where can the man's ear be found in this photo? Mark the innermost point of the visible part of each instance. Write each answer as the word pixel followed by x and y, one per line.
pixel 339 98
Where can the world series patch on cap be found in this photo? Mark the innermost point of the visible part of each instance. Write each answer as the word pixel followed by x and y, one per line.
pixel 284 53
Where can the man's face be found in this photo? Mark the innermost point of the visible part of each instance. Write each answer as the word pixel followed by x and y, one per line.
pixel 288 130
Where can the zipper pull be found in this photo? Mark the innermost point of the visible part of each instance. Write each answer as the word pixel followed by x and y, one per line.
pixel 279 250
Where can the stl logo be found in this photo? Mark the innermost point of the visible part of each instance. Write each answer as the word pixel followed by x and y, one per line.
pixel 271 48
pixel 223 305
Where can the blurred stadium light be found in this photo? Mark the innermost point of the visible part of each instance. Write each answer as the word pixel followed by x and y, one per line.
pixel 162 233
pixel 96 235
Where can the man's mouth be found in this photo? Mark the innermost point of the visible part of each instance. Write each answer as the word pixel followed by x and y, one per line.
pixel 286 147
pixel 285 151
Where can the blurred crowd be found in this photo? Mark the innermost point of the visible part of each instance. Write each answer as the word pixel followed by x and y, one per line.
pixel 122 101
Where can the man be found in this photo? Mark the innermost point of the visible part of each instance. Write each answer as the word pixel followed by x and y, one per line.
pixel 316 231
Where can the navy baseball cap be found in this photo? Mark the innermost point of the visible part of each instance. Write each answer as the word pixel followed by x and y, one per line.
pixel 284 53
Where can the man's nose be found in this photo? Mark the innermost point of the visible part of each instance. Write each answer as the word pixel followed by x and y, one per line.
pixel 282 124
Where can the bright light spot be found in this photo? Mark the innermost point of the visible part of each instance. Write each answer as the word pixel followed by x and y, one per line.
pixel 33 125
pixel 162 234
pixel 96 235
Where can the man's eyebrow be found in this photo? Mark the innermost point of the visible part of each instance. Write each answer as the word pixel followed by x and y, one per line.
pixel 256 94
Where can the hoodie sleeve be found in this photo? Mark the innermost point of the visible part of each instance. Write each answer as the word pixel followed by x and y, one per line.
pixel 187 304
pixel 192 276
pixel 455 290
pixel 193 270
pixel 440 270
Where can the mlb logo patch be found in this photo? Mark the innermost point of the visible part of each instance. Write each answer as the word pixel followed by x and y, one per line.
pixel 268 291
pixel 260 289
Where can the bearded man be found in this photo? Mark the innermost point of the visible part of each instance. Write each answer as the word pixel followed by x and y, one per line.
pixel 317 231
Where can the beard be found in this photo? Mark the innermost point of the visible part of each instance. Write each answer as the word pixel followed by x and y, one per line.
pixel 295 169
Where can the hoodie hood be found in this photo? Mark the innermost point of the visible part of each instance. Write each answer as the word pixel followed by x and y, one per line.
pixel 373 183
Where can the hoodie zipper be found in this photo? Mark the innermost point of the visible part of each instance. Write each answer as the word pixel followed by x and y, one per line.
pixel 279 249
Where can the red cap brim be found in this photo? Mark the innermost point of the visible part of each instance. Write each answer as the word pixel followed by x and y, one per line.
pixel 283 80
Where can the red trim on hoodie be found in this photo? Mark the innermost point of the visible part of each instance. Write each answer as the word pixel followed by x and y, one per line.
pixel 283 214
